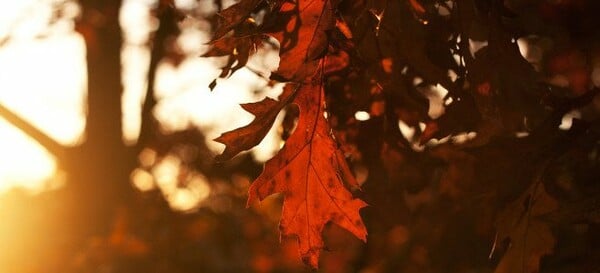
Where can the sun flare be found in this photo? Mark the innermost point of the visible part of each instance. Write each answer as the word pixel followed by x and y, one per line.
pixel 43 81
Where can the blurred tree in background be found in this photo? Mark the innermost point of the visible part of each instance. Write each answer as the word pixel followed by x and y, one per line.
pixel 472 127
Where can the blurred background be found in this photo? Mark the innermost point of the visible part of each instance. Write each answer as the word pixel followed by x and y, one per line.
pixel 63 204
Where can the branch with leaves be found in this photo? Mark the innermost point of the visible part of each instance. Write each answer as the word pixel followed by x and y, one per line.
pixel 389 58
pixel 311 171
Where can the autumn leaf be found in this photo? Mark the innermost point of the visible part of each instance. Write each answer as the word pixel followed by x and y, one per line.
pixel 239 45
pixel 311 171
pixel 530 237
pixel 335 62
pixel 232 16
pixel 301 29
pixel 246 137
pixel 417 7
pixel 231 46
pixel 237 50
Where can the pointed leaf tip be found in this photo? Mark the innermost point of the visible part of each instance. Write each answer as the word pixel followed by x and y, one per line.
pixel 244 138
pixel 311 172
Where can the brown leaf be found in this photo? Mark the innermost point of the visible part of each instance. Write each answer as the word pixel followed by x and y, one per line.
pixel 335 62
pixel 530 237
pixel 222 47
pixel 310 171
pixel 303 38
pixel 458 178
pixel 237 50
pixel 246 137
pixel 232 16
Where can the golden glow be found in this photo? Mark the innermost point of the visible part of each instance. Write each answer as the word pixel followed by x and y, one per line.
pixel 142 180
pixel 183 188
pixel 22 161
pixel 147 158
pixel 42 80
pixel 137 24
pixel 185 99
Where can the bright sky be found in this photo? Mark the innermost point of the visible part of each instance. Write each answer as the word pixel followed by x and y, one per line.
pixel 43 80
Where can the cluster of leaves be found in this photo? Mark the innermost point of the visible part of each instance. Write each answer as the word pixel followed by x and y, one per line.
pixel 310 170
pixel 390 59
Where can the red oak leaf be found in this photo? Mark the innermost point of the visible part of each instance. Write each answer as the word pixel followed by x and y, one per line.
pixel 301 29
pixel 530 237
pixel 310 171
pixel 246 137
pixel 237 50
pixel 232 16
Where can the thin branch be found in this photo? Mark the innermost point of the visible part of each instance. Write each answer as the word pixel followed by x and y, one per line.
pixel 36 134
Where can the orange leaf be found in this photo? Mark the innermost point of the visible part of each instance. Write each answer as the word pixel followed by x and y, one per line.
pixel 238 50
pixel 335 62
pixel 310 171
pixel 343 28
pixel 246 137
pixel 417 6
pixel 303 38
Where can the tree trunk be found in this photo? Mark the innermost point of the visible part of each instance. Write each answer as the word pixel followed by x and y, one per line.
pixel 100 167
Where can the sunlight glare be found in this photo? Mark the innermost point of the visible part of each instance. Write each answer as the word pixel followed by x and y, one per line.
pixel 407 131
pixel 183 192
pixel 48 93
pixel 165 173
pixel 436 101
pixel 567 120
pixel 142 180
pixel 42 80
pixel 21 18
pixel 362 116
pixel 475 46
pixel 22 161
pixel 185 99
